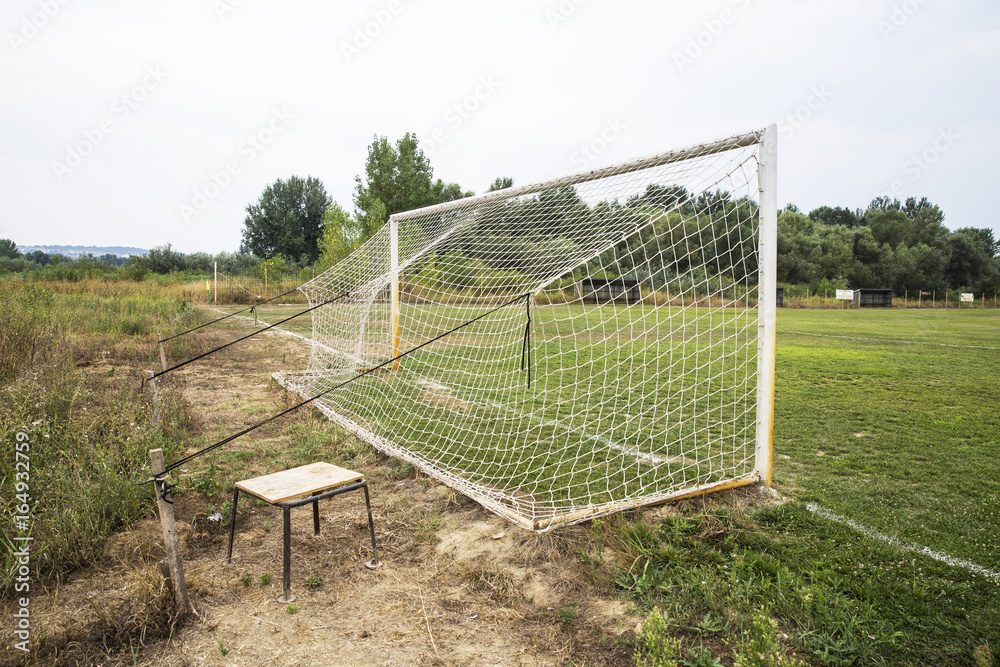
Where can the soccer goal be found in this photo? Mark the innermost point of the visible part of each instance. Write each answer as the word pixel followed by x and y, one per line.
pixel 568 349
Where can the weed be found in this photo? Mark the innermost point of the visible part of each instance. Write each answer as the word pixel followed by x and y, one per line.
pixel 762 649
pixel 246 580
pixel 403 470
pixel 292 608
pixel 568 615
pixel 654 647
pixel 204 482
pixel 701 657
pixel 265 580
pixel 222 649
pixel 428 522
pixel 314 582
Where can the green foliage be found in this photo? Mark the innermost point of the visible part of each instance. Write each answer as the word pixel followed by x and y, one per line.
pixel 342 234
pixel 287 219
pixel 654 647
pixel 761 649
pixel 903 246
pixel 501 183
pixel 163 259
pixel 9 249
pixel 292 608
pixel 983 656
pixel 89 433
pixel 265 579
pixel 568 614
pixel 246 580
pixel 398 177
pixel 314 582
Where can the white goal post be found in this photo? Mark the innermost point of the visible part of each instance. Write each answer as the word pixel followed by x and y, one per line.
pixel 563 350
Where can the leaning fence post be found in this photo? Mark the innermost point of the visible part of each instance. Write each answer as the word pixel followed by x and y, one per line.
pixel 163 357
pixel 154 398
pixel 161 486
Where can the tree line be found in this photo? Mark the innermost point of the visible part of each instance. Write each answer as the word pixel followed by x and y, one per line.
pixel 900 245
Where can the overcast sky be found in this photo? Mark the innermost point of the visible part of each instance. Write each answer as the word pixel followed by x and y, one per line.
pixel 142 124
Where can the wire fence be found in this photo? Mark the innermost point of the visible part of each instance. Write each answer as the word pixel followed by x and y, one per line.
pixel 254 287
pixel 802 297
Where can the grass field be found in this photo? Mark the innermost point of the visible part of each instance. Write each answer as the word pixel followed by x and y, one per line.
pixel 616 404
pixel 889 420
pixel 892 419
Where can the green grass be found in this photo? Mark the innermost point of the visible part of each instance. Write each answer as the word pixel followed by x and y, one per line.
pixel 888 418
pixel 69 354
pixel 599 406
pixel 900 436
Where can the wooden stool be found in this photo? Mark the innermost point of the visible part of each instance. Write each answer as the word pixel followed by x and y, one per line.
pixel 286 490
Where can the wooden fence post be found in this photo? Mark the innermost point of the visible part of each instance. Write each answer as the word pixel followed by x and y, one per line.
pixel 154 399
pixel 163 356
pixel 166 507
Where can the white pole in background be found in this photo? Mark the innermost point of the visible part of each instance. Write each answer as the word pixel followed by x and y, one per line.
pixel 766 308
pixel 394 296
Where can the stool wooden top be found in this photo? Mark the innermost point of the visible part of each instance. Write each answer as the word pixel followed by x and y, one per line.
pixel 295 482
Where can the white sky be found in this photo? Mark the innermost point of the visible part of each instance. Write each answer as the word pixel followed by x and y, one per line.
pixel 887 81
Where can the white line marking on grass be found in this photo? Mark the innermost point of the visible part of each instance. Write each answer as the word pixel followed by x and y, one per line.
pixel 888 340
pixel 635 452
pixel 906 546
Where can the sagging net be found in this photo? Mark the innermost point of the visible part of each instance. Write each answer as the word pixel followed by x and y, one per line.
pixel 596 337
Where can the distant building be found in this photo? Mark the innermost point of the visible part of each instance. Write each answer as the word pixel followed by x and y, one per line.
pixel 873 298
pixel 608 290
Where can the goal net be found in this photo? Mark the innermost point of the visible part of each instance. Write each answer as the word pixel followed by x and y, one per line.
pixel 564 350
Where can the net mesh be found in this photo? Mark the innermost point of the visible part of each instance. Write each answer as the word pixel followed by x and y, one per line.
pixel 614 359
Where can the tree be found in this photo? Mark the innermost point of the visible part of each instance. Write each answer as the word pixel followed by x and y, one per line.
pixel 501 183
pixel 398 178
pixel 662 196
pixel 835 216
pixel 342 234
pixel 163 259
pixel 287 219
pixel 9 249
pixel 971 263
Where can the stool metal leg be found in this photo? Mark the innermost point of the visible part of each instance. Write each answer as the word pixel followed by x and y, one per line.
pixel 286 577
pixel 232 524
pixel 374 563
pixel 315 517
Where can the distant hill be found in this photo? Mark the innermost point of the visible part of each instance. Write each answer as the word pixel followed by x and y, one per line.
pixel 77 250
